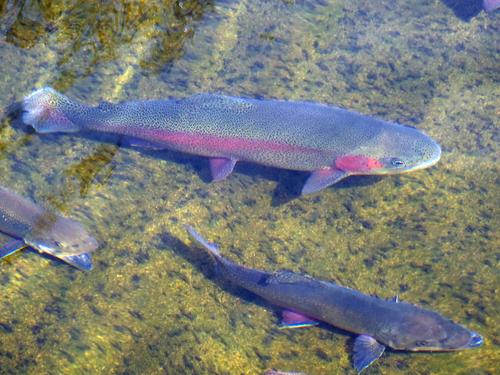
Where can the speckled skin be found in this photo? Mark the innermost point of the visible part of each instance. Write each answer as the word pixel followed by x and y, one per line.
pixel 17 215
pixel 291 135
pixel 42 229
pixel 399 325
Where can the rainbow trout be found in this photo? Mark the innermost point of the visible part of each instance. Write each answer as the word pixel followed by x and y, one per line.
pixel 330 142
pixel 491 5
pixel 377 322
pixel 34 226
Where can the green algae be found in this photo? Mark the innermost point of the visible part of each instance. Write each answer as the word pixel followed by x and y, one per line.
pixel 151 304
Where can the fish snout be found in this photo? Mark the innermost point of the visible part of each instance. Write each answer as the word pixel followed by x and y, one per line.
pixel 90 244
pixel 475 341
pixel 81 261
pixel 431 156
pixel 436 155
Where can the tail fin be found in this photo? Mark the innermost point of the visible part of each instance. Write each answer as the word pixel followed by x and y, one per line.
pixel 221 264
pixel 45 110
pixel 212 248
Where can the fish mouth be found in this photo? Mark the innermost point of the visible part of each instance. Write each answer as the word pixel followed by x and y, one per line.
pixel 81 261
pixel 427 163
pixel 475 341
pixel 88 245
pixel 431 161
pixel 422 165
pixel 436 156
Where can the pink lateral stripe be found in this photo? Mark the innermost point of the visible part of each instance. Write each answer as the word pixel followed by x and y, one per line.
pixel 219 143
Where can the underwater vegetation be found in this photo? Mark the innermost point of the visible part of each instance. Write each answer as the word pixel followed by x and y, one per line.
pixel 150 305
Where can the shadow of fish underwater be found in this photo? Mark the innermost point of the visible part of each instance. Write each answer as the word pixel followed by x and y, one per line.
pixel 378 323
pixel 330 142
pixel 36 227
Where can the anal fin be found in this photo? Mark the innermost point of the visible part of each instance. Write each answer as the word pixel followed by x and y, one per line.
pixel 322 178
pixel 221 167
pixel 292 319
pixel 366 351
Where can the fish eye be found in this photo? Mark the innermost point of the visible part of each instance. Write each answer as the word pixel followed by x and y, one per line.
pixel 397 162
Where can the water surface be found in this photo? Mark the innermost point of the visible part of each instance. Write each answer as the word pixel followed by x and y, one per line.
pixel 150 305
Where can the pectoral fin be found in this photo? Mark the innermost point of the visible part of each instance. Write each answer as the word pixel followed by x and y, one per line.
pixel 221 167
pixel 322 178
pixel 11 247
pixel 292 319
pixel 366 351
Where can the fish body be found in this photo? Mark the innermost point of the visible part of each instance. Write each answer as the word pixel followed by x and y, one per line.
pixel 378 322
pixel 35 226
pixel 330 142
pixel 491 5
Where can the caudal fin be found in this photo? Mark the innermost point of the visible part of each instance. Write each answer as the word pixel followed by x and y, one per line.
pixel 212 248
pixel 46 111
pixel 220 262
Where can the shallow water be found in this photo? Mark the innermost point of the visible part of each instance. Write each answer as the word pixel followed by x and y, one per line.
pixel 151 304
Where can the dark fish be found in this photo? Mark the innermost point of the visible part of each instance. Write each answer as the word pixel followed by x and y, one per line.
pixel 377 322
pixel 34 226
pixel 468 9
pixel 330 142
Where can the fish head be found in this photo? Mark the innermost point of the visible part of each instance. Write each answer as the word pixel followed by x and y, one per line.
pixel 403 149
pixel 60 237
pixel 424 330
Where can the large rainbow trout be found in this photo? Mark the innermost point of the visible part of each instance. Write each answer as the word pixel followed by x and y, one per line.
pixel 377 322
pixel 34 226
pixel 330 142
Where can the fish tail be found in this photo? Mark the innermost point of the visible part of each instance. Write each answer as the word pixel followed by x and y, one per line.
pixel 244 277
pixel 46 111
pixel 211 248
pixel 221 263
